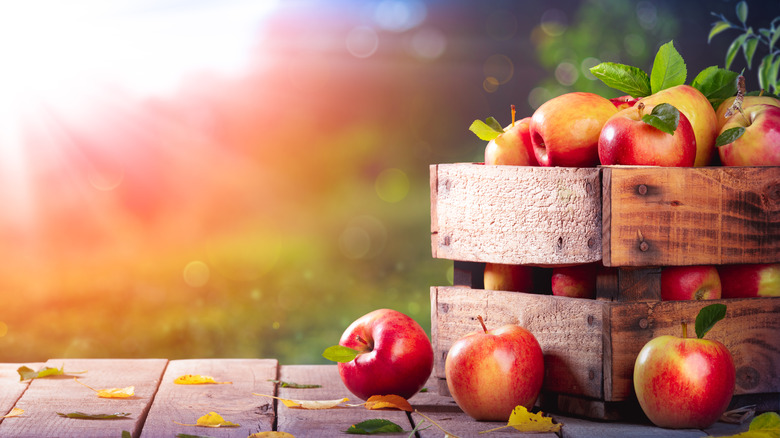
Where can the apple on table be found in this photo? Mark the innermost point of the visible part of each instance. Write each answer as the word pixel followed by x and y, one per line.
pixel 700 282
pixel 750 280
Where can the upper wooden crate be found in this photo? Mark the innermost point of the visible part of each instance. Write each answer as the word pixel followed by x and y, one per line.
pixel 623 216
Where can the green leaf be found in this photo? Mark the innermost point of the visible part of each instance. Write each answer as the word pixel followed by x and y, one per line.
pixel 83 416
pixel 338 353
pixel 742 11
pixel 664 117
pixel 765 72
pixel 126 434
pixel 768 421
pixel 708 317
pixel 750 49
pixel 26 373
pixel 186 435
pixel 773 75
pixel 716 84
pixel 487 130
pixel 717 28
pixel 729 136
pixel 628 79
pixel 373 426
pixel 775 37
pixel 668 69
pixel 734 48
pixel 283 384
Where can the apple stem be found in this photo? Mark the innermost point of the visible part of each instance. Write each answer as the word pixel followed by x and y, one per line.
pixel 482 321
pixel 361 340
pixel 640 107
pixel 514 112
pixel 684 330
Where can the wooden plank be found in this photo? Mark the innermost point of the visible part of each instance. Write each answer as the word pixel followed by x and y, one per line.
pixel 579 428
pixel 569 330
pixel 516 214
pixel 329 422
pixel 629 284
pixel 11 388
pixel 235 401
pixel 44 398
pixel 660 216
pixel 749 331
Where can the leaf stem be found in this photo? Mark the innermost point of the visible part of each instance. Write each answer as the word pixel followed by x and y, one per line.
pixel 84 384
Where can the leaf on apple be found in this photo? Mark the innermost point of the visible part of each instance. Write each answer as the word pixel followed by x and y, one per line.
pixel 339 353
pixel 729 136
pixel 664 117
pixel 307 404
pixel 374 426
pixel 668 69
pixel 487 130
pixel 716 84
pixel 529 422
pixel 630 80
pixel 708 317
pixel 766 425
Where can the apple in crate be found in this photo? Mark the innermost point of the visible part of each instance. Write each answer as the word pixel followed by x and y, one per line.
pixel 690 283
pixel 515 278
pixel 747 101
pixel 648 136
pixel 565 129
pixel 624 102
pixel 750 280
pixel 683 382
pixel 751 138
pixel 578 281
pixel 383 352
pixel 490 372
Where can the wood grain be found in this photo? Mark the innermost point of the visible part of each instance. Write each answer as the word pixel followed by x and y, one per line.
pixel 515 214
pixel 44 398
pixel 235 401
pixel 11 388
pixel 687 216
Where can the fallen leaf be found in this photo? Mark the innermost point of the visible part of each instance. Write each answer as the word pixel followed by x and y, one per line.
pixel 271 435
pixel 186 435
pixel 308 404
pixel 766 425
pixel 376 425
pixel 525 421
pixel 212 419
pixel 15 412
pixel 27 373
pixel 83 416
pixel 283 384
pixel 447 434
pixel 112 392
pixel 391 401
pixel 197 379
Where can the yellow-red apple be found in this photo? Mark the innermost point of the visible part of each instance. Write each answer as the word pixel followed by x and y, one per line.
pixel 759 144
pixel 699 112
pixel 513 147
pixel 750 280
pixel 577 281
pixel 565 129
pixel 747 101
pixel 490 372
pixel 515 278
pixel 700 282
pixel 624 102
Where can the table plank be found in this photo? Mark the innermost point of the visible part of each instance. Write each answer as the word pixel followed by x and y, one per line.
pixel 328 422
pixel 45 397
pixel 11 388
pixel 234 402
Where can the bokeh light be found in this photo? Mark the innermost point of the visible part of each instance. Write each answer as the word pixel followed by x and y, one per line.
pixel 362 41
pixel 392 185
pixel 196 273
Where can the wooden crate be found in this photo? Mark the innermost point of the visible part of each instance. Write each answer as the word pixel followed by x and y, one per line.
pixel 635 219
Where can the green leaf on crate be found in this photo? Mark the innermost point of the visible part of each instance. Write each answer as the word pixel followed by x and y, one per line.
pixel 664 117
pixel 374 426
pixel 339 353
pixel 83 416
pixel 708 317
pixel 716 84
pixel 729 136
pixel 487 130
pixel 628 79
pixel 283 384
pixel 668 69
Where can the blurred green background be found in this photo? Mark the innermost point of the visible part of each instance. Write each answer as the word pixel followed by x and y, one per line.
pixel 244 179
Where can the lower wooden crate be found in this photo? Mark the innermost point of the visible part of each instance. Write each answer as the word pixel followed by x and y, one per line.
pixel 590 346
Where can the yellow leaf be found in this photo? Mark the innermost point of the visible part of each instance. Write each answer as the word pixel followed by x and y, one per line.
pixel 525 421
pixel 15 412
pixel 271 435
pixel 213 419
pixel 197 379
pixel 308 404
pixel 111 393
pixel 391 401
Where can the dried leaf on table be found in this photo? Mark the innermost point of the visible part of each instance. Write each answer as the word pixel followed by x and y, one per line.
pixel 27 373
pixel 197 379
pixel 525 421
pixel 271 435
pixel 308 404
pixel 391 401
pixel 283 384
pixel 373 426
pixel 212 419
pixel 83 416
pixel 15 412
pixel 111 392
pixel 766 425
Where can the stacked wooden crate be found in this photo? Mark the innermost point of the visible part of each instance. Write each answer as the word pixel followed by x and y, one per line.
pixel 635 220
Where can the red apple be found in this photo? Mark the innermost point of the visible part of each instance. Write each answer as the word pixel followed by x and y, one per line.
pixel 759 144
pixel 513 147
pixel 747 101
pixel 624 102
pixel 750 280
pixel 690 283
pixel 698 109
pixel 565 129
pixel 490 372
pixel 516 278
pixel 684 382
pixel 578 281
pixel 627 139
pixel 395 355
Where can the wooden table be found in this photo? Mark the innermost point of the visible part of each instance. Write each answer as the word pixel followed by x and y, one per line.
pixel 158 403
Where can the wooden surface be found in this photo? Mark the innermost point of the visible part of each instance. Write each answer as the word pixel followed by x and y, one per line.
pixel 166 403
pixel 659 216
pixel 515 214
